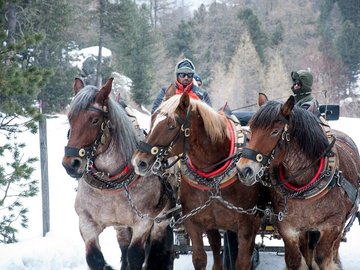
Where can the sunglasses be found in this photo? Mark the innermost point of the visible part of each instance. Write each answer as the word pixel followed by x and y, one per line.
pixel 182 75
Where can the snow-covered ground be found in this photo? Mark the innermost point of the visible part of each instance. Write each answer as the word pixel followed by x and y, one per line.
pixel 62 248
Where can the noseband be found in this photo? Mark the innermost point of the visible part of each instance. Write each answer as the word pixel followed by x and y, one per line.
pixel 89 152
pixel 161 152
pixel 264 160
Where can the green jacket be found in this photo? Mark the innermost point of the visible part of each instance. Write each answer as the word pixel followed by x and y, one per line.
pixel 303 97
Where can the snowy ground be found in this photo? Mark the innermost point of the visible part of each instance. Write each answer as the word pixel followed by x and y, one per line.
pixel 63 249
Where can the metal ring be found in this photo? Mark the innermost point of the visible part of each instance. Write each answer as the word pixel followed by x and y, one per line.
pixel 154 150
pixel 259 158
pixel 281 216
pixel 82 152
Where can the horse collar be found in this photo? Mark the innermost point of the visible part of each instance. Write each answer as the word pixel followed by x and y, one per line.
pixel 98 180
pixel 323 179
pixel 224 176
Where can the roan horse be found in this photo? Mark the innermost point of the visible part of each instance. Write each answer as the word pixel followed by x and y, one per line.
pixel 211 196
pixel 101 142
pixel 313 175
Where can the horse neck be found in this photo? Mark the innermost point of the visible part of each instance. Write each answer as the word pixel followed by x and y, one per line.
pixel 203 152
pixel 110 160
pixel 296 161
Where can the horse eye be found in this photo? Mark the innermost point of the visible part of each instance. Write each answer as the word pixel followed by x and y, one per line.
pixel 275 132
pixel 171 127
pixel 95 121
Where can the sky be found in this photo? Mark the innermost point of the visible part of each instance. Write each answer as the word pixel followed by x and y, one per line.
pixel 62 248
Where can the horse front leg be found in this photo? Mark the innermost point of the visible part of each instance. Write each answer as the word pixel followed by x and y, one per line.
pixel 162 252
pixel 246 243
pixel 294 259
pixel 90 232
pixel 328 247
pixel 136 251
pixel 199 258
pixel 214 238
pixel 123 236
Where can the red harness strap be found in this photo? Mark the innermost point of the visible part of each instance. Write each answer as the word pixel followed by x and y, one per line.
pixel 297 189
pixel 218 171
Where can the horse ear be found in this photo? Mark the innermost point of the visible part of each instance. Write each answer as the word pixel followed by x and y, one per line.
pixel 117 98
pixel 262 98
pixel 287 107
pixel 78 85
pixel 184 101
pixel 170 91
pixel 104 92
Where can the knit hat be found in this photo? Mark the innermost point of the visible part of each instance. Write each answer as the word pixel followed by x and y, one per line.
pixel 197 78
pixel 184 66
pixel 306 79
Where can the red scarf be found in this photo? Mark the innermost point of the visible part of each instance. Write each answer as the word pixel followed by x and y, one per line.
pixel 180 89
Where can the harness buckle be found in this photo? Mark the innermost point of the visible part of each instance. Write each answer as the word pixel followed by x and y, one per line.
pixel 338 176
pixel 186 131
pixel 156 166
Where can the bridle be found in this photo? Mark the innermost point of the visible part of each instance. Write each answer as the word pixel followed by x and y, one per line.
pixel 265 160
pixel 89 152
pixel 161 152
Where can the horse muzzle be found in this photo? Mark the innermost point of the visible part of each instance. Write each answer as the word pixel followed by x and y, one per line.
pixel 141 165
pixel 74 166
pixel 246 174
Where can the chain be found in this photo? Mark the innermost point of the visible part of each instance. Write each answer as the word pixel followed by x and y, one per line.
pixel 133 206
pixel 251 211
pixel 260 174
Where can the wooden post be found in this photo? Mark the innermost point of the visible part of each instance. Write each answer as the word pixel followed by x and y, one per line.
pixel 44 174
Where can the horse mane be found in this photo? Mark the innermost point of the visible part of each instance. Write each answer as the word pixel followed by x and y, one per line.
pixel 304 127
pixel 122 128
pixel 215 123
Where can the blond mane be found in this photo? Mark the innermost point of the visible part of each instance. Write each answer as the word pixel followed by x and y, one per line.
pixel 215 123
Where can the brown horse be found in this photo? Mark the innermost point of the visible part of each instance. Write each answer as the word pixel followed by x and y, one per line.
pixel 101 142
pixel 211 196
pixel 313 175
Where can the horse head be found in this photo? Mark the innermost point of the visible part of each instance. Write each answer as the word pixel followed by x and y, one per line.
pixel 167 136
pixel 89 126
pixel 269 126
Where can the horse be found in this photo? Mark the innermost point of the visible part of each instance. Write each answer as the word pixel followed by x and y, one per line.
pixel 101 142
pixel 312 173
pixel 210 194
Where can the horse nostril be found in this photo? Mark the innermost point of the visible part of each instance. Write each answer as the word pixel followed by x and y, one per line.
pixel 240 173
pixel 248 172
pixel 142 165
pixel 75 163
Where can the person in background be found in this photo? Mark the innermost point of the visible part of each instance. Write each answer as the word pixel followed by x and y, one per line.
pixel 301 87
pixel 198 80
pixel 184 71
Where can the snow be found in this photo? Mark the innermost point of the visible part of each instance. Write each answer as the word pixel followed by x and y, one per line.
pixel 62 248
pixel 80 55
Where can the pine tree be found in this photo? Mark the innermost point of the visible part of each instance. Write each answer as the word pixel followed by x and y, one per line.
pixel 20 83
pixel 258 36
pixel 133 43
pixel 245 77
pixel 277 79
pixel 52 53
